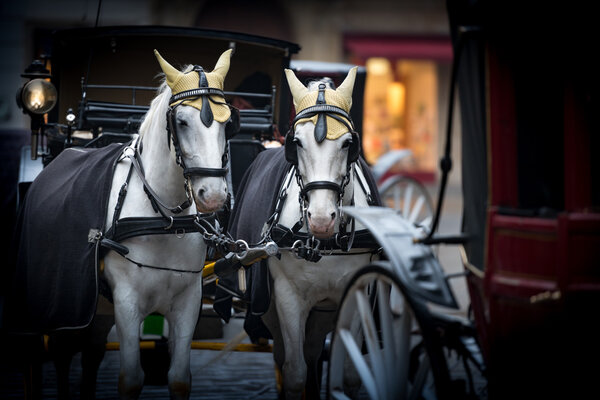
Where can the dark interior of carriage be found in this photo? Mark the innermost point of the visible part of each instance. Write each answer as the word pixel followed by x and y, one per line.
pixel 107 78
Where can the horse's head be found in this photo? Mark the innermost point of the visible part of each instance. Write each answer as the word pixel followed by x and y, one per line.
pixel 198 123
pixel 322 145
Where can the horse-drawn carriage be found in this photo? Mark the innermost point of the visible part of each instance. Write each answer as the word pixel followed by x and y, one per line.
pixel 525 208
pixel 120 177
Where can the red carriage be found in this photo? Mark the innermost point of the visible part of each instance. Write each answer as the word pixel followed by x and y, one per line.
pixel 528 87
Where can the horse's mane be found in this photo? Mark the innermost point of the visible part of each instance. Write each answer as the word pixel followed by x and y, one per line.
pixel 314 84
pixel 155 117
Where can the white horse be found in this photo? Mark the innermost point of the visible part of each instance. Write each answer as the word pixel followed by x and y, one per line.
pixel 306 294
pixel 161 272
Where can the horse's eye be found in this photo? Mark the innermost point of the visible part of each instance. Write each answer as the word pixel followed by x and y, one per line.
pixel 346 144
pixel 182 122
pixel 298 143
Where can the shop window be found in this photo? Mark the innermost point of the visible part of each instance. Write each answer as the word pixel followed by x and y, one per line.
pixel 401 111
pixel 405 96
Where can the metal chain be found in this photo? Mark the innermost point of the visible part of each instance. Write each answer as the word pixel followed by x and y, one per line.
pixel 223 241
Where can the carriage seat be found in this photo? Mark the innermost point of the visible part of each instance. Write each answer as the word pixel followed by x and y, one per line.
pixel 113 117
pixel 256 122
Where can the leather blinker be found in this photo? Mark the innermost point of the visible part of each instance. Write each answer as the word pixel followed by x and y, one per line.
pixel 233 125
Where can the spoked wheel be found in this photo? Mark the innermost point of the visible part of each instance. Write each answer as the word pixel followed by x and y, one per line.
pixel 378 343
pixel 410 198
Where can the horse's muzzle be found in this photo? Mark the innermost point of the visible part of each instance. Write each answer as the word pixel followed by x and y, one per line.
pixel 322 226
pixel 208 199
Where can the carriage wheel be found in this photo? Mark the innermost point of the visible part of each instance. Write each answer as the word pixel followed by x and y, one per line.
pixel 378 337
pixel 410 198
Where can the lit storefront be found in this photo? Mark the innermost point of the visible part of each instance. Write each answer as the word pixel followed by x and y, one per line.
pixel 405 97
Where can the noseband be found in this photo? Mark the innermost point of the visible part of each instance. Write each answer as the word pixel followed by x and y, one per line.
pixel 207 118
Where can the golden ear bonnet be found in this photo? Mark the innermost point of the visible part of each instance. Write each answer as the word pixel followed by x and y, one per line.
pixel 180 82
pixel 335 128
pixel 341 97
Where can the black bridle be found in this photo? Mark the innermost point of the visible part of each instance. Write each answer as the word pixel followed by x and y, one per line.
pixel 207 118
pixel 322 110
pixel 133 152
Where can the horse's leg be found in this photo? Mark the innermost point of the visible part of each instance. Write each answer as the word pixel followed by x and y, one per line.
pixel 128 319
pixel 62 346
pixel 182 321
pixel 318 324
pixel 93 353
pixel 292 314
pixel 272 323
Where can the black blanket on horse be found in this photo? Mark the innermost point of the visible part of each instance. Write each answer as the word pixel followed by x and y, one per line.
pixel 254 204
pixel 55 277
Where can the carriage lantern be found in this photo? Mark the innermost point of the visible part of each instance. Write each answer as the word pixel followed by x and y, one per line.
pixel 37 97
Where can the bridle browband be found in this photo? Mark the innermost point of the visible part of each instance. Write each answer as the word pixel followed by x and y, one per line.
pixel 325 110
pixel 208 91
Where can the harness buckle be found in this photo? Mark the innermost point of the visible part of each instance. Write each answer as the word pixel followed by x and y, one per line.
pixel 310 243
pixel 296 249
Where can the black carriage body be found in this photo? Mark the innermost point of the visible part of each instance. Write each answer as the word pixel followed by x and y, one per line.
pixel 123 56
pixel 108 76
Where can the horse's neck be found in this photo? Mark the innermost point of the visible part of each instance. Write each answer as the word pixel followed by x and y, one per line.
pixel 161 170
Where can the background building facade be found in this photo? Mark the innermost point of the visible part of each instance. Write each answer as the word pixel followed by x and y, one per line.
pixel 404 45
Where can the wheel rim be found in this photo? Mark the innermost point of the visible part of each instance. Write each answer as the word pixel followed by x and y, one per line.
pixel 375 334
pixel 410 198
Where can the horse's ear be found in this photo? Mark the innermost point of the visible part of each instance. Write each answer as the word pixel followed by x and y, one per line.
pixel 222 66
pixel 172 73
pixel 346 88
pixel 296 87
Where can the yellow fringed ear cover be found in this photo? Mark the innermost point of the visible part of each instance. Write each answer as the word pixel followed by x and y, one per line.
pixel 341 97
pixel 179 82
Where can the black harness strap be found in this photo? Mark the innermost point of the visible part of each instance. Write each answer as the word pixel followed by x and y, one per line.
pixel 218 172
pixel 140 265
pixel 126 228
pixel 316 185
pixel 321 125
pixel 136 164
pixel 328 109
pixel 201 91
pixel 289 237
pixel 286 237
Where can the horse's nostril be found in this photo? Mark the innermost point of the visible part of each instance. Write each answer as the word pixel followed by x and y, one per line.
pixel 201 192
pixel 309 215
pixel 332 215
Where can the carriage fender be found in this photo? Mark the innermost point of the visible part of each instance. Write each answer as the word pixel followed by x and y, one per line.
pixel 415 265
